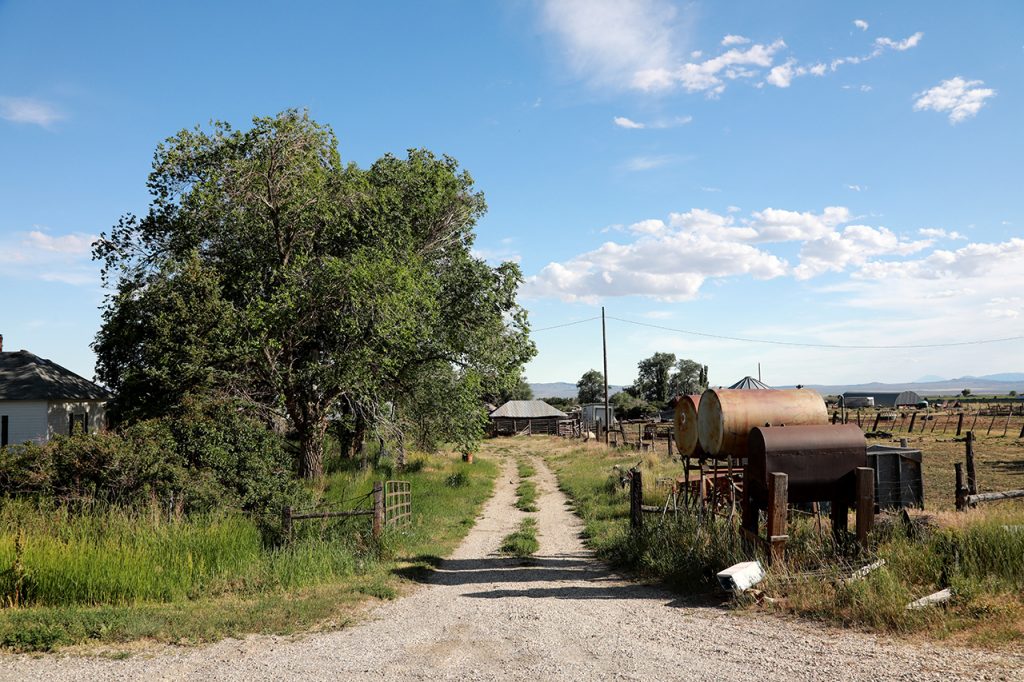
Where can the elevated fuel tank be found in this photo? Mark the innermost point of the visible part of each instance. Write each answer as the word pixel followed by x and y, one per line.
pixel 819 460
pixel 726 416
pixel 685 423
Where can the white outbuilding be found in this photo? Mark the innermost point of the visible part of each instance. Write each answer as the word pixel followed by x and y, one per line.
pixel 39 399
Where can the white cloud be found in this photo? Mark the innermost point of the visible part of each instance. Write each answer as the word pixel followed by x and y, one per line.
pixel 734 40
pixel 644 163
pixel 856 188
pixel 29 110
pixel 608 41
pixel 836 251
pixel 706 76
pixel 673 259
pixel 961 98
pixel 624 122
pixel 900 45
pixel 639 45
pixel 76 244
pixel 670 267
pixel 57 258
pixel 938 233
pixel 861 24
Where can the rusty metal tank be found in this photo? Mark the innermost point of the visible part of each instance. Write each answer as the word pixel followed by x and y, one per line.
pixel 819 460
pixel 685 424
pixel 726 416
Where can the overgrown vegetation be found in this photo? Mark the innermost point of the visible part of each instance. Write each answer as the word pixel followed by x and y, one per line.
pixel 523 541
pixel 111 573
pixel 979 555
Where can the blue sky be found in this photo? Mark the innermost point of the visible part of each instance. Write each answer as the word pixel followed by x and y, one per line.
pixel 807 172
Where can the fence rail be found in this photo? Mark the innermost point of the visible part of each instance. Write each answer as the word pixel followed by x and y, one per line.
pixel 392 506
pixel 397 503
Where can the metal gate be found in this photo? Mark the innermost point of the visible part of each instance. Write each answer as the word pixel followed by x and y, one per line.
pixel 397 503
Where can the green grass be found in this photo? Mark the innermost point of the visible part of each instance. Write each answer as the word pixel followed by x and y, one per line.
pixel 522 542
pixel 115 575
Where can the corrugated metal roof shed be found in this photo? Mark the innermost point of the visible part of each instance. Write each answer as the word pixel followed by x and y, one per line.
pixel 751 384
pixel 526 409
pixel 25 376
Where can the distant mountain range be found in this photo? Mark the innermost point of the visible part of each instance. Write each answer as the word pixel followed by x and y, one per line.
pixel 990 384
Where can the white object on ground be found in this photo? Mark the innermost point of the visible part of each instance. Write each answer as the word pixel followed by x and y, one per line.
pixel 742 576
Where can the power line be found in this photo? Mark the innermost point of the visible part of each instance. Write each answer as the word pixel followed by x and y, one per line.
pixel 816 345
pixel 567 324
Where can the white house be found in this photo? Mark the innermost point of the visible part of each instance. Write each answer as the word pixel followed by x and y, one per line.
pixel 39 399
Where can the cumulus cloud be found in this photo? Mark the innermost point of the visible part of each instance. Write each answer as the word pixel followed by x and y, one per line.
pixel 672 259
pixel 37 254
pixel 939 233
pixel 861 24
pixel 782 75
pixel 29 110
pixel 854 245
pixel 963 99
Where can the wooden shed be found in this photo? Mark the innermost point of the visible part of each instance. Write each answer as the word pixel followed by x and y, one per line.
pixel 525 417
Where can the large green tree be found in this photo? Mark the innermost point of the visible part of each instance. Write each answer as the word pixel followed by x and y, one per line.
pixel 652 380
pixel 590 387
pixel 320 289
pixel 688 378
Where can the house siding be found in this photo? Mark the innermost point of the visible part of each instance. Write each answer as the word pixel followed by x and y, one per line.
pixel 57 411
pixel 26 420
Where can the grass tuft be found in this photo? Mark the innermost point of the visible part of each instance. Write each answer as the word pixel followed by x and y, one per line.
pixel 523 542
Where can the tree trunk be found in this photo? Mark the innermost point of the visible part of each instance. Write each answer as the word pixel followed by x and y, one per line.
pixel 311 458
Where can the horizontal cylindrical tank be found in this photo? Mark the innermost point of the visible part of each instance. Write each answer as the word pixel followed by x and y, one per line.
pixel 686 425
pixel 819 460
pixel 726 416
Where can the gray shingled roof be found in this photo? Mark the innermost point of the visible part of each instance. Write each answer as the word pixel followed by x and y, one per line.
pixel 24 376
pixel 527 409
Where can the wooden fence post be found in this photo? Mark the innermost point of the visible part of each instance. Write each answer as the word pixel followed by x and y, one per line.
pixel 878 415
pixel 913 417
pixel 959 424
pixel 378 509
pixel 972 479
pixel 636 500
pixel 865 504
pixel 959 486
pixel 778 499
pixel 286 524
pixel 1021 431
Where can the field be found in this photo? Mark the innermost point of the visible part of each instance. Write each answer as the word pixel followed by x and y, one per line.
pixel 115 575
pixel 976 554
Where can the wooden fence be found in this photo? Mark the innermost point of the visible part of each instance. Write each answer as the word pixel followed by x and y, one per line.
pixel 391 506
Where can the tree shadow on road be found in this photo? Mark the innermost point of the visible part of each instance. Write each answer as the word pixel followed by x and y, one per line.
pixel 557 576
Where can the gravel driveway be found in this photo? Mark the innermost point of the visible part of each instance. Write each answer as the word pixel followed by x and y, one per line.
pixel 563 616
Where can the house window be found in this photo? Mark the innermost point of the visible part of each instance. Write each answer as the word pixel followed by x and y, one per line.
pixel 77 424
pixel 4 438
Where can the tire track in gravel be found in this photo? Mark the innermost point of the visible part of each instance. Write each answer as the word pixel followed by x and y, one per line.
pixel 560 616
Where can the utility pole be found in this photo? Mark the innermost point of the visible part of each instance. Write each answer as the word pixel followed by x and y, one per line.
pixel 759 371
pixel 604 347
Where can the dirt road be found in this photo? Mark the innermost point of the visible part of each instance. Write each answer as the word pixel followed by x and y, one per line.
pixel 562 616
